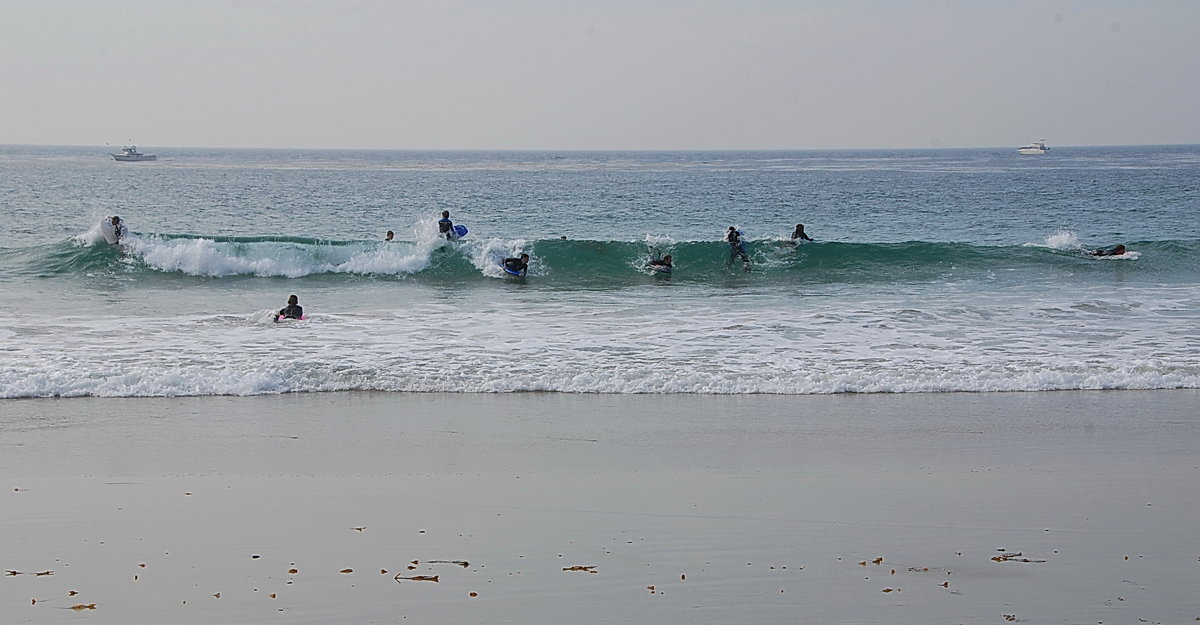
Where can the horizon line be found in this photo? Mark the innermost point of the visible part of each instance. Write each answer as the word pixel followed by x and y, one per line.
pixel 595 150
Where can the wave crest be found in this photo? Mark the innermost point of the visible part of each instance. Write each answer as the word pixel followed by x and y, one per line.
pixel 588 263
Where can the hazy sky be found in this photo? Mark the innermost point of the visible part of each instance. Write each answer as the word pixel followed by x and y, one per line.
pixel 599 74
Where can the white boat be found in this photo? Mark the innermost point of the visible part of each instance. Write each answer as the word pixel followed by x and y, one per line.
pixel 1038 147
pixel 130 153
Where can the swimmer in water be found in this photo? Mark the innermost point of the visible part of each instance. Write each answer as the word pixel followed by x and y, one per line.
pixel 292 311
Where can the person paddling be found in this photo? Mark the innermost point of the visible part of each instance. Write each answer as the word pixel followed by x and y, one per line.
pixel 292 311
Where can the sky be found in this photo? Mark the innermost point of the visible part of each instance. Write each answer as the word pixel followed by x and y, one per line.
pixel 599 74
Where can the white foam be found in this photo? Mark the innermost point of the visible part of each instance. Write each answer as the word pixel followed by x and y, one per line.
pixel 487 255
pixel 659 242
pixel 1129 255
pixel 92 236
pixel 656 247
pixel 1063 240
pixel 206 257
pixel 593 344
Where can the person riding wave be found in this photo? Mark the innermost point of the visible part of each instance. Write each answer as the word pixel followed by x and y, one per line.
pixel 118 229
pixel 662 263
pixel 737 247
pixel 517 265
pixel 446 227
pixel 1116 250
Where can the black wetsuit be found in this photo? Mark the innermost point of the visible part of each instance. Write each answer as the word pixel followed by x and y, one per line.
pixel 295 311
pixel 800 235
pixel 446 227
pixel 1112 251
pixel 515 264
pixel 736 247
pixel 658 262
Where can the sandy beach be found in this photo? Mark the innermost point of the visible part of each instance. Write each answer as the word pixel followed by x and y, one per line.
pixel 1066 507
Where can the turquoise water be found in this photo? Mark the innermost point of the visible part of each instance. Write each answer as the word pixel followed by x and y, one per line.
pixel 932 270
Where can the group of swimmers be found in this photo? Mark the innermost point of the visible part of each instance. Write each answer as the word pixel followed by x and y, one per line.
pixel 445 228
pixel 516 265
pixel 737 245
pixel 520 264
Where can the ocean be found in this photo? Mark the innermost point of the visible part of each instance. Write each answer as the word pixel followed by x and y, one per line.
pixel 949 270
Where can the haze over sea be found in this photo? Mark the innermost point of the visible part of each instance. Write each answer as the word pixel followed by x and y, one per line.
pixel 932 270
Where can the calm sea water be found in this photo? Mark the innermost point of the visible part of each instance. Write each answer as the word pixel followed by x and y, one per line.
pixel 932 270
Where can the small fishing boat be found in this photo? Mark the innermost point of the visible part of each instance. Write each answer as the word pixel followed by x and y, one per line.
pixel 1038 147
pixel 130 153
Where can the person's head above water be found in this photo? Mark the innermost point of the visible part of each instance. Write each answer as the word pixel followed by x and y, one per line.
pixel 389 236
pixel 524 256
pixel 445 214
pixel 293 300
pixel 1119 249
pixel 116 221
pixel 667 258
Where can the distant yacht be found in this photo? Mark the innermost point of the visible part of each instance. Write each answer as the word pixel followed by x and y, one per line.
pixel 130 153
pixel 1038 147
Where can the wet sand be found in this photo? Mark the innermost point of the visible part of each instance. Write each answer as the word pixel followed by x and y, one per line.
pixel 1071 507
